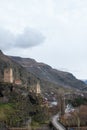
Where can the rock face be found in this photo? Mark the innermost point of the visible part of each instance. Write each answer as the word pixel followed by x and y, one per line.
pixel 46 73
pixel 19 72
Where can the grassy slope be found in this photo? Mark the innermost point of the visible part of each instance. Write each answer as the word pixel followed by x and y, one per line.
pixel 5 110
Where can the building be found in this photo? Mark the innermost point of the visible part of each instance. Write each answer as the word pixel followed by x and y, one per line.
pixel 18 82
pixel 8 75
pixel 35 88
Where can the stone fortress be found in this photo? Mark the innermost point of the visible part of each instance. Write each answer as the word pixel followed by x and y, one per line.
pixel 9 78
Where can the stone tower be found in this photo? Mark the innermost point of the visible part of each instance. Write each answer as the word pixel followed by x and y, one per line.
pixel 35 88
pixel 38 90
pixel 8 75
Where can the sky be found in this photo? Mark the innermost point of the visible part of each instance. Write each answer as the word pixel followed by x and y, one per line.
pixel 50 31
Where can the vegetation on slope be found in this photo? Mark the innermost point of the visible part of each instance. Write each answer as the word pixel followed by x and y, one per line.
pixel 21 106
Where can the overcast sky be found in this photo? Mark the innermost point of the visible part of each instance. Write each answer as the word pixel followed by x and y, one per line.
pixel 50 31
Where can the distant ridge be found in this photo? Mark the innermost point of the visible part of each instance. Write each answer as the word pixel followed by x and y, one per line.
pixel 47 73
pixel 29 72
pixel 85 81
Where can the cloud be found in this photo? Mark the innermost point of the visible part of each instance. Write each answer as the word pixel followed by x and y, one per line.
pixel 64 22
pixel 6 39
pixel 28 38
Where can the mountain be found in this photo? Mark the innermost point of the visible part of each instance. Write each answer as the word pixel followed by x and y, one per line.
pixel 85 81
pixel 18 105
pixel 18 71
pixel 47 74
pixel 29 72
pixel 85 88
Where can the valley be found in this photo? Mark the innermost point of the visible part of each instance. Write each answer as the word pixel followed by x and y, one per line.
pixel 31 93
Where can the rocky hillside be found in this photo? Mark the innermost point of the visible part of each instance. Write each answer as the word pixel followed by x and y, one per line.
pixel 47 74
pixel 19 71
pixel 29 71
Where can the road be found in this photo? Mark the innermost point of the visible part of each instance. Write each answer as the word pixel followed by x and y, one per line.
pixel 56 124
